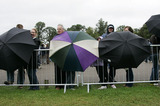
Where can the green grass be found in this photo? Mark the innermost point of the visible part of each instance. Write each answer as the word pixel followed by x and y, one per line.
pixel 139 94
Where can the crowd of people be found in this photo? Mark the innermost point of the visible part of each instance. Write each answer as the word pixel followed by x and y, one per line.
pixel 105 71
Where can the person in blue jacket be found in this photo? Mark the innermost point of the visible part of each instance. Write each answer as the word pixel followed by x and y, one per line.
pixel 106 77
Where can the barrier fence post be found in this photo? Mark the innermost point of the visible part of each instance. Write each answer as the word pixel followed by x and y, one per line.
pixel 88 88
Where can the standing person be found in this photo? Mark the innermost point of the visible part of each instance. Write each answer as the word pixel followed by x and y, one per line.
pixel 21 73
pixel 102 71
pixel 155 56
pixel 33 62
pixel 129 72
pixel 103 75
pixel 59 74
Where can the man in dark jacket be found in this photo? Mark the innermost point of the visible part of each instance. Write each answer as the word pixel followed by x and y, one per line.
pixel 154 75
pixel 33 62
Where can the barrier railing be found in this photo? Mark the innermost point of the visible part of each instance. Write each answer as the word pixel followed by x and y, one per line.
pixel 46 74
pixel 141 74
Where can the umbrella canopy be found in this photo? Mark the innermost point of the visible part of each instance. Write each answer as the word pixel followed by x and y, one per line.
pixel 16 47
pixel 74 50
pixel 153 24
pixel 124 49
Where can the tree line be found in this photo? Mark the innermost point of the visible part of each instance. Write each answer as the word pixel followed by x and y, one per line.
pixel 45 34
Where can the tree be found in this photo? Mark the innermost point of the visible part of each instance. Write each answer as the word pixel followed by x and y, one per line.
pixel 136 31
pixel 40 26
pixel 48 34
pixel 45 34
pixel 120 28
pixel 91 32
pixel 101 27
pixel 143 32
pixel 77 27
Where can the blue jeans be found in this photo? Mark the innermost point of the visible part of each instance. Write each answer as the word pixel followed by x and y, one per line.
pixel 129 77
pixel 70 78
pixel 21 76
pixel 155 73
pixel 10 76
pixel 33 78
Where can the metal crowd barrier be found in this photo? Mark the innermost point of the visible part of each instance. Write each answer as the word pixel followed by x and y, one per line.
pixel 141 74
pixel 46 74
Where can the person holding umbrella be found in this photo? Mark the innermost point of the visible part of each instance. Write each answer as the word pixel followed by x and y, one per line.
pixel 33 62
pixel 129 72
pixel 63 76
pixel 154 28
pixel 103 75
pixel 21 73
pixel 59 74
pixel 73 51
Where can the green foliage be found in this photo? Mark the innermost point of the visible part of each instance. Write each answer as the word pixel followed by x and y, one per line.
pixel 40 26
pixel 101 27
pixel 45 34
pixel 120 28
pixel 77 27
pixel 48 34
pixel 143 32
pixel 136 31
pixel 91 32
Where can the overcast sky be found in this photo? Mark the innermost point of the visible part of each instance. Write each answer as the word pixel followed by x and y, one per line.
pixel 69 12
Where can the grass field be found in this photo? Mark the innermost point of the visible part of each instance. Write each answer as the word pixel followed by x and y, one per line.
pixel 139 94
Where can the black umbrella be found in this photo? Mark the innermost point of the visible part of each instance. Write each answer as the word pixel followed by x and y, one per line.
pixel 153 24
pixel 16 47
pixel 124 49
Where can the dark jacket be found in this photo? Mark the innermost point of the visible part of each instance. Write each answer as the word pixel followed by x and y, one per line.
pixel 105 34
pixel 155 40
pixel 34 59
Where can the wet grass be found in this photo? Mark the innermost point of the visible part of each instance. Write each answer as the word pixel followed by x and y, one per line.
pixel 139 94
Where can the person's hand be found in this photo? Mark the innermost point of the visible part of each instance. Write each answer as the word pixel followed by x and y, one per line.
pixel 99 39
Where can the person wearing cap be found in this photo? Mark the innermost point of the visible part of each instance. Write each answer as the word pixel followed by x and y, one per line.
pixel 110 29
pixel 104 76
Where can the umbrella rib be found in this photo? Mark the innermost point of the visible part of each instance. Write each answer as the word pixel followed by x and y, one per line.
pixel 86 50
pixel 139 47
pixel 55 45
pixel 24 43
pixel 154 27
pixel 132 55
pixel 85 45
pixel 113 48
pixel 16 53
pixel 16 35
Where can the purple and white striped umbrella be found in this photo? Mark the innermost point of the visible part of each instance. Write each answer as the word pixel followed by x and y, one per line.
pixel 74 50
